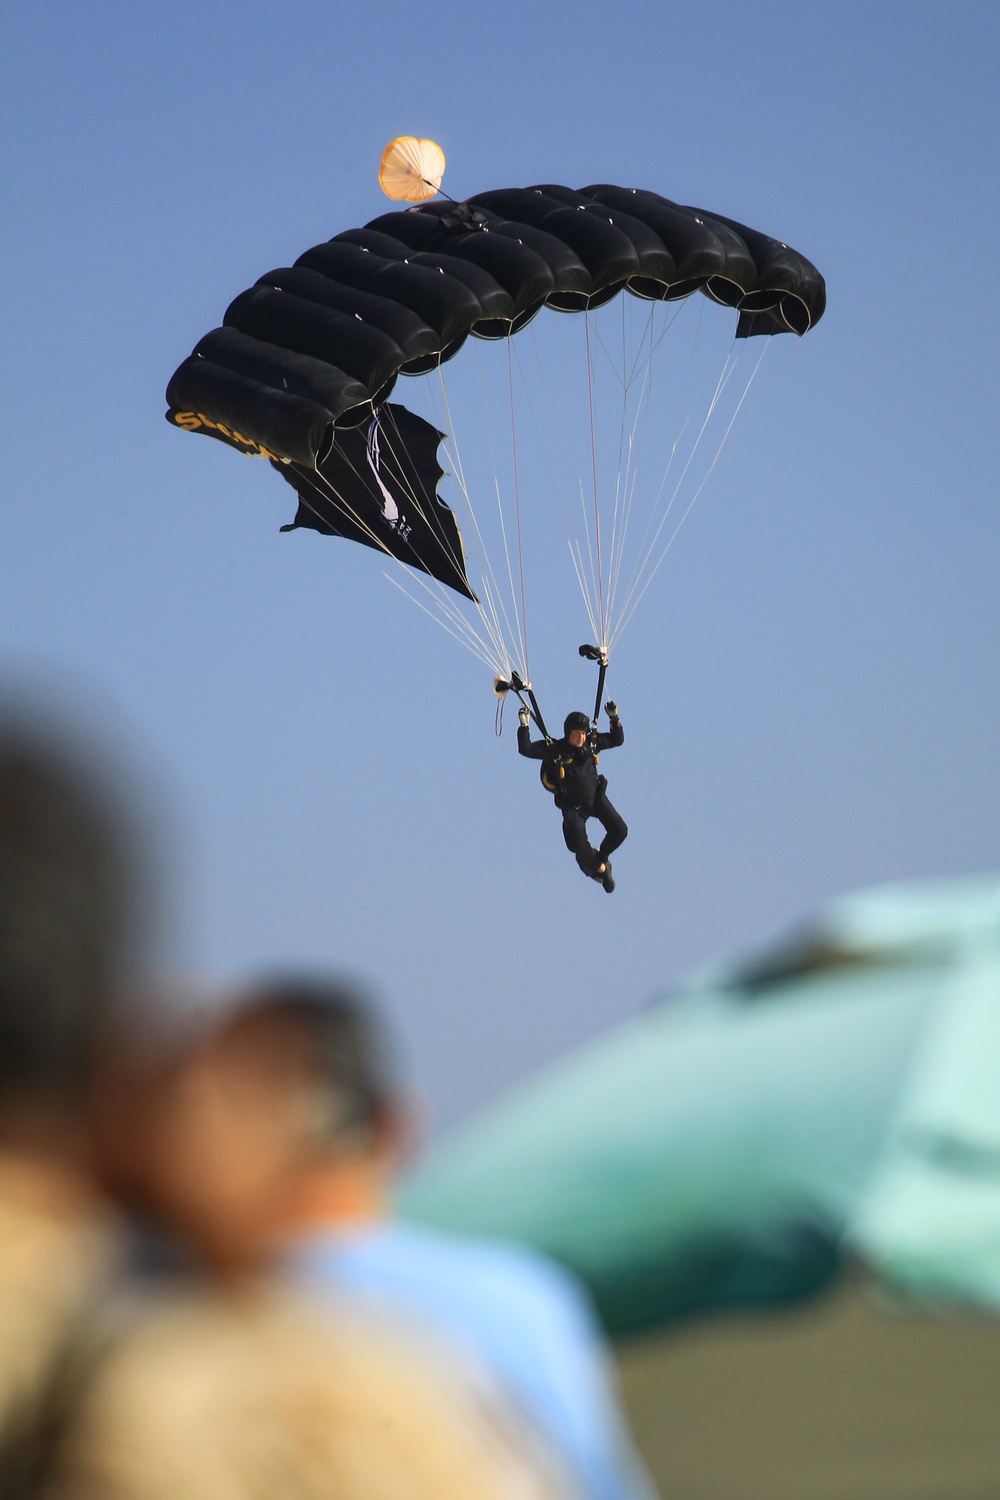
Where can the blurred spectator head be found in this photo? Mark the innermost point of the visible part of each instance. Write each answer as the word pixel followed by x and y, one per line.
pixel 283 1109
pixel 348 1083
pixel 65 929
pixel 64 896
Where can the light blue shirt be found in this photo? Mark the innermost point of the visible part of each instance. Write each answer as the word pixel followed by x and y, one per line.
pixel 516 1313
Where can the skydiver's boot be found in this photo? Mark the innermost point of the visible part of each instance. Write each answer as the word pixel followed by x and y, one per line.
pixel 607 879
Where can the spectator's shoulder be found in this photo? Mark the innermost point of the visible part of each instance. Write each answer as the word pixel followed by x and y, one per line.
pixel 528 1275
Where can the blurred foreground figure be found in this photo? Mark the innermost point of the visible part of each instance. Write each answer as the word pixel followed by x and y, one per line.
pixel 305 1168
pixel 251 1395
pixel 229 1388
pixel 244 1387
pixel 63 926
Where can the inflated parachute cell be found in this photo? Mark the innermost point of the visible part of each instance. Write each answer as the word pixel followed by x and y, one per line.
pixel 313 351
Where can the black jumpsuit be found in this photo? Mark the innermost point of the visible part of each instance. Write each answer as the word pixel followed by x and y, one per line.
pixel 580 791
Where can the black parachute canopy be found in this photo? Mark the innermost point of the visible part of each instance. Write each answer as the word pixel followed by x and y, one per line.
pixel 378 485
pixel 302 368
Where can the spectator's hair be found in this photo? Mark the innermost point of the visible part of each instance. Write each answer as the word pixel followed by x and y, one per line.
pixel 63 888
pixel 347 1044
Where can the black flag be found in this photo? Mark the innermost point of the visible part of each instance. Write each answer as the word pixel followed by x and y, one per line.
pixel 378 485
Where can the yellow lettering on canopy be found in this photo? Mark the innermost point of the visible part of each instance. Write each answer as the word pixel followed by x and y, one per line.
pixel 195 421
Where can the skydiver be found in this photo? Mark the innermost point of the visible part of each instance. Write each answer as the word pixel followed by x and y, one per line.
pixel 569 772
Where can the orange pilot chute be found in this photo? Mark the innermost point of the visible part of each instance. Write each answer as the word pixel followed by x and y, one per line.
pixel 411 169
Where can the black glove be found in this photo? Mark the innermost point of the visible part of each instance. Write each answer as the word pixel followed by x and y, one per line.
pixel 524 717
pixel 611 709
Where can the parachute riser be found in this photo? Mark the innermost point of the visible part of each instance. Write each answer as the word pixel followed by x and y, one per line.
pixel 600 689
pixel 525 687
pixel 598 654
pixel 517 685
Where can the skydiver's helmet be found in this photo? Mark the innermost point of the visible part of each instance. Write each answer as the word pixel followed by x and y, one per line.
pixel 576 721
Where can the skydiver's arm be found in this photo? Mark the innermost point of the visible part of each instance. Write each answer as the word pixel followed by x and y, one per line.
pixel 533 749
pixel 614 737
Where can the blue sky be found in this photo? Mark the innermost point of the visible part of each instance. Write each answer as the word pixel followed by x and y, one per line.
pixel 810 691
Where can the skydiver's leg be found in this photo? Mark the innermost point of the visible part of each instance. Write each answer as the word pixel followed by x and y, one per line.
pixel 577 842
pixel 615 827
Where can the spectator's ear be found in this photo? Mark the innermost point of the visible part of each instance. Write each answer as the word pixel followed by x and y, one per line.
pixel 401 1131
